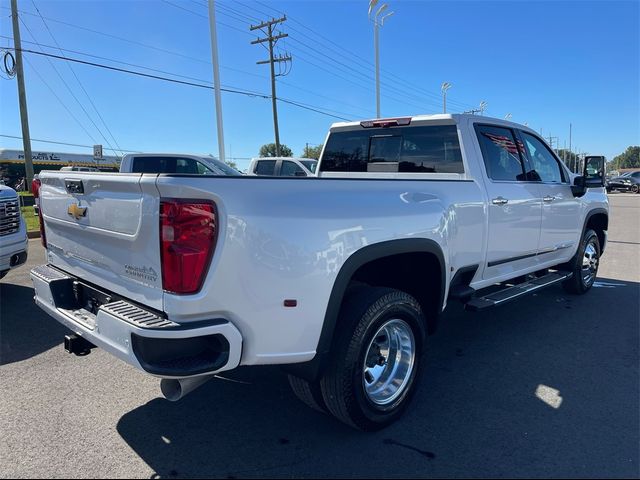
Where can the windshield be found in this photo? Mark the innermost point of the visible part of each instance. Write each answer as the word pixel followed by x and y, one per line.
pixel 310 164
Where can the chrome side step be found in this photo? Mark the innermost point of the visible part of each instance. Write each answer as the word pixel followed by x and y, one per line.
pixel 509 293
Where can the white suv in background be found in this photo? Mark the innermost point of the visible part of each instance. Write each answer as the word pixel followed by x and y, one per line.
pixel 13 231
pixel 283 167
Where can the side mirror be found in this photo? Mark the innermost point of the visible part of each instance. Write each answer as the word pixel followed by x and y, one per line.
pixel 593 176
pixel 594 171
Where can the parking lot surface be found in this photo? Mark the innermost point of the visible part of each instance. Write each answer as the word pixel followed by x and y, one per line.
pixel 546 386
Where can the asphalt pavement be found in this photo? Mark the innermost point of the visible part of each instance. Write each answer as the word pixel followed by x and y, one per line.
pixel 546 386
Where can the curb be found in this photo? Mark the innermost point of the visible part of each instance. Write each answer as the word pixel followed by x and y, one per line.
pixel 35 234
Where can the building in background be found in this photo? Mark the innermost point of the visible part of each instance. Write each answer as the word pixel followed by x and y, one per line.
pixel 12 163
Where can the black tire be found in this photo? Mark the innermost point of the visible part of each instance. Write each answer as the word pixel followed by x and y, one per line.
pixel 308 392
pixel 580 282
pixel 634 188
pixel 362 317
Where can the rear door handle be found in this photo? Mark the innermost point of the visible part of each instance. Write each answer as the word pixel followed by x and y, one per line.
pixel 499 201
pixel 548 199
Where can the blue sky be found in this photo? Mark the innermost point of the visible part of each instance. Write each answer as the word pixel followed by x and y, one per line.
pixel 547 63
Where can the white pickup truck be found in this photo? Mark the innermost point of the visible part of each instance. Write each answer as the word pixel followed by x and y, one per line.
pixel 340 278
pixel 14 244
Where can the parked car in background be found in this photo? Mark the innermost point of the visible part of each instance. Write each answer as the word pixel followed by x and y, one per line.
pixel 283 167
pixel 13 232
pixel 175 163
pixel 628 182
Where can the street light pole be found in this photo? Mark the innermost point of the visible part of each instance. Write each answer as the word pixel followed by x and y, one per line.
pixel 216 78
pixel 445 86
pixel 378 22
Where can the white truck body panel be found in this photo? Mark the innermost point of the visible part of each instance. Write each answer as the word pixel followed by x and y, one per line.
pixel 287 238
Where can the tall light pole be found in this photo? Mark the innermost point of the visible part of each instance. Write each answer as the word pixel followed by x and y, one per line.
pixel 216 78
pixel 483 106
pixel 445 86
pixel 378 21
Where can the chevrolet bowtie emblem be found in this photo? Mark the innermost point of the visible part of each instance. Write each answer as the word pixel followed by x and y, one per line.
pixel 76 211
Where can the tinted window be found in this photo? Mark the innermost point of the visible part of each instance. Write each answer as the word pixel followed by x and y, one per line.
pixel 290 169
pixel 265 167
pixel 501 153
pixel 310 164
pixel 153 165
pixel 635 175
pixel 542 160
pixel 421 149
pixel 204 170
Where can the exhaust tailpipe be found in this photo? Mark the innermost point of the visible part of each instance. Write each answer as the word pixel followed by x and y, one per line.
pixel 175 389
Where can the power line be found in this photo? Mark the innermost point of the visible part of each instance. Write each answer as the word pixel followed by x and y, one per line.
pixel 357 58
pixel 68 87
pixel 65 143
pixel 84 54
pixel 122 39
pixel 173 80
pixel 76 77
pixel 35 70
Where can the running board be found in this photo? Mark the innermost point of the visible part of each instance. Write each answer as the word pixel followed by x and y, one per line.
pixel 509 293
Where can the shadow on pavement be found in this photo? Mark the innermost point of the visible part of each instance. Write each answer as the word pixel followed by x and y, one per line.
pixel 546 386
pixel 25 330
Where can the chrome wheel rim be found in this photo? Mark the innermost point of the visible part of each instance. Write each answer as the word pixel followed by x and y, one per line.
pixel 389 361
pixel 590 262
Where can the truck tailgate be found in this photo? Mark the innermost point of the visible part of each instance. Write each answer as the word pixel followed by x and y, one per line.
pixel 103 228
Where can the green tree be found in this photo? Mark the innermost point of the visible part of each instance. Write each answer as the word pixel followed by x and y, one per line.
pixel 629 159
pixel 269 150
pixel 312 152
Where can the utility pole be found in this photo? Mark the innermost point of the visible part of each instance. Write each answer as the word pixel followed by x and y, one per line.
pixel 272 61
pixel 22 97
pixel 216 78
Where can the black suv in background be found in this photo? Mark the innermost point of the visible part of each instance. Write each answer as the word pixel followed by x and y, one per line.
pixel 628 182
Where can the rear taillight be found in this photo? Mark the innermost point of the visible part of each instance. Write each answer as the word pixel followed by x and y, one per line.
pixel 188 231
pixel 35 189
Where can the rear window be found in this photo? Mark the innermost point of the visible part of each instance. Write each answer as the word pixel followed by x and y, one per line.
pixel 424 149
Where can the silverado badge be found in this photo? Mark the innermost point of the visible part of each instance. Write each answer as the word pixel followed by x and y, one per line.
pixel 76 211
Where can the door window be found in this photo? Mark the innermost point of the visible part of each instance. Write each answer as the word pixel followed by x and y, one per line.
pixel 291 169
pixel 542 160
pixel 501 153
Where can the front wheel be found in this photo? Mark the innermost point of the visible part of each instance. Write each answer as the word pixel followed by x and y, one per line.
pixel 585 264
pixel 375 361
pixel 635 188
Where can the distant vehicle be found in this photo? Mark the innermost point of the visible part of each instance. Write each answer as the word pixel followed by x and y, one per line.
pixel 628 182
pixel 283 167
pixel 175 163
pixel 74 168
pixel 13 232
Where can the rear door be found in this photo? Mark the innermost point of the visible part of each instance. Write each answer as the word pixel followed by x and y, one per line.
pixel 265 167
pixel 561 226
pixel 104 229
pixel 515 207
